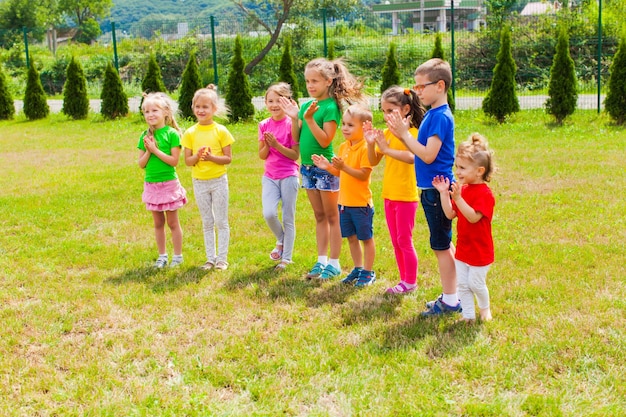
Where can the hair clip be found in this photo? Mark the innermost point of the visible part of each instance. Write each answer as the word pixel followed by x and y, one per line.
pixel 407 92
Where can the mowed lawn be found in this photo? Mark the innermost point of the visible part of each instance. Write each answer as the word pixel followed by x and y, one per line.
pixel 88 328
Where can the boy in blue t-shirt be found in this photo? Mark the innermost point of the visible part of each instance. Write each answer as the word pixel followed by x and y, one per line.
pixel 434 156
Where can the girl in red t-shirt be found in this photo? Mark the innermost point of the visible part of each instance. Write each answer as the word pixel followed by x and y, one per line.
pixel 472 202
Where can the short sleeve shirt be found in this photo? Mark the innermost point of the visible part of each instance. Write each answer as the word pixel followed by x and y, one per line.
pixel 474 244
pixel 440 122
pixel 354 192
pixel 216 137
pixel 328 111
pixel 277 165
pixel 399 177
pixel 156 170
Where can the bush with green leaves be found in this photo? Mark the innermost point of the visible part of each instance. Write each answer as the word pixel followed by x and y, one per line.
pixel 615 102
pixel 75 100
pixel 114 99
pixel 238 92
pixel 390 71
pixel 562 89
pixel 286 72
pixel 35 102
pixel 153 81
pixel 438 53
pixel 501 99
pixel 191 83
pixel 7 107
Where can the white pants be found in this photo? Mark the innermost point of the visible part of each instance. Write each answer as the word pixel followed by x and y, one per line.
pixel 472 281
pixel 212 199
pixel 275 191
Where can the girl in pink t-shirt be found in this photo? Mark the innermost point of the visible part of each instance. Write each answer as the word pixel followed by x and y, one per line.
pixel 280 180
pixel 471 202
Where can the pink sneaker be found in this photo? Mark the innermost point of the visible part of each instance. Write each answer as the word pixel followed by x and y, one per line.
pixel 401 288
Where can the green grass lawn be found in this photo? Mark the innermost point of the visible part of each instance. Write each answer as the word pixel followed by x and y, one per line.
pixel 90 329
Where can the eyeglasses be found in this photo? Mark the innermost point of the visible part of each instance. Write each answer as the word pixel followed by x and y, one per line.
pixel 420 87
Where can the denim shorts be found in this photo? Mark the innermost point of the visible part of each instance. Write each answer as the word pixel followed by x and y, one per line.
pixel 357 221
pixel 439 225
pixel 314 178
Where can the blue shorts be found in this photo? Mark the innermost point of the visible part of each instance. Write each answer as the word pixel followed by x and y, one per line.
pixel 439 225
pixel 357 221
pixel 314 178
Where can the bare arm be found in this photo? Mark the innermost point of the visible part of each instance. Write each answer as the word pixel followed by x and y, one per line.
pixel 152 148
pixel 360 174
pixel 466 210
pixel 270 140
pixel 442 184
pixel 399 126
pixel 144 156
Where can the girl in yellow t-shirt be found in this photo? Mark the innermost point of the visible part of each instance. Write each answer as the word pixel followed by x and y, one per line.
pixel 399 186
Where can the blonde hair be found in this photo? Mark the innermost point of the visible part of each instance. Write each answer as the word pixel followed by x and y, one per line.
pixel 476 150
pixel 281 89
pixel 165 103
pixel 436 69
pixel 400 97
pixel 359 112
pixel 344 87
pixel 210 92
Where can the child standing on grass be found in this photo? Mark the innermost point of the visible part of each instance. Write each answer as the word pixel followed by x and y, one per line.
pixel 208 151
pixel 434 156
pixel 315 124
pixel 399 185
pixel 280 180
pixel 356 208
pixel 472 204
pixel 159 153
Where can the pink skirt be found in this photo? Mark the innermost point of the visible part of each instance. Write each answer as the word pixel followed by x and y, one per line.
pixel 164 196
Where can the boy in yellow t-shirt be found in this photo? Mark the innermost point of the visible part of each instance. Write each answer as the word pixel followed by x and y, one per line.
pixel 356 209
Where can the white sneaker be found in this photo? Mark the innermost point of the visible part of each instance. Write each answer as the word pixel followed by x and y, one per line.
pixel 176 260
pixel 161 262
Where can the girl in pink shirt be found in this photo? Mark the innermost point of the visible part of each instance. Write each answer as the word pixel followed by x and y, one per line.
pixel 280 152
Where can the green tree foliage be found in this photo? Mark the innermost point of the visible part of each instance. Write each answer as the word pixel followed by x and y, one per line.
pixel 286 72
pixel 438 53
pixel 7 107
pixel 563 85
pixel 331 50
pixel 501 99
pixel 615 102
pixel 190 83
pixel 114 99
pixel 18 14
pixel 390 71
pixel 84 14
pixel 153 81
pixel 238 92
pixel 75 100
pixel 35 104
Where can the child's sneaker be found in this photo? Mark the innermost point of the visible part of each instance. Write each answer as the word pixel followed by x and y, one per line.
pixel 352 276
pixel 221 265
pixel 329 272
pixel 176 261
pixel 365 278
pixel 316 271
pixel 438 307
pixel 161 262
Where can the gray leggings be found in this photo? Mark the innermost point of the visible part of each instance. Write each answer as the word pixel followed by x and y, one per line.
pixel 274 191
pixel 212 199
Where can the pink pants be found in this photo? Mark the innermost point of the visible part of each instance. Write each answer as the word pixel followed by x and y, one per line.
pixel 400 217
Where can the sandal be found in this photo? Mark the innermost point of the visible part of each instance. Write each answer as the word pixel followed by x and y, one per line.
pixel 277 253
pixel 281 266
pixel 208 265
pixel 401 288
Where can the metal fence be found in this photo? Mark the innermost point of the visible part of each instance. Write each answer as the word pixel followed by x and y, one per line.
pixel 363 39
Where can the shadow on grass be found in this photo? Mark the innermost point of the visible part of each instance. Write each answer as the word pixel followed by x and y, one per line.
pixel 149 276
pixel 446 335
pixel 380 306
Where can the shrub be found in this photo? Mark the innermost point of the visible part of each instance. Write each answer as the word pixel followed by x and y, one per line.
pixel 501 100
pixel 562 87
pixel 238 93
pixel 615 101
pixel 153 81
pixel 75 100
pixel 35 104
pixel 7 107
pixel 390 71
pixel 286 72
pixel 438 53
pixel 191 83
pixel 114 99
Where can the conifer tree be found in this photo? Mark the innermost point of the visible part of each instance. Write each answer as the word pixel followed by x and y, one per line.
pixel 562 87
pixel 238 91
pixel 190 83
pixel 331 50
pixel 75 100
pixel 615 101
pixel 390 72
pixel 114 99
pixel 438 53
pixel 501 99
pixel 35 104
pixel 153 80
pixel 286 72
pixel 7 107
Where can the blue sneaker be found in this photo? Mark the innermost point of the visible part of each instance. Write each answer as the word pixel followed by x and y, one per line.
pixel 316 271
pixel 352 276
pixel 365 278
pixel 438 307
pixel 329 272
